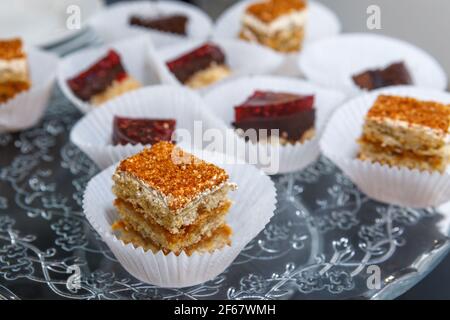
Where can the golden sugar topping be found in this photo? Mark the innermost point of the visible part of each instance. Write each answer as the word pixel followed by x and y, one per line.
pixel 178 175
pixel 425 113
pixel 11 49
pixel 269 10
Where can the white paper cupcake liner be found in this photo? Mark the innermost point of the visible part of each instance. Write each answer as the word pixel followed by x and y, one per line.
pixel 355 53
pixel 24 110
pixel 283 158
pixel 93 133
pixel 395 185
pixel 112 24
pixel 253 207
pixel 243 59
pixel 322 22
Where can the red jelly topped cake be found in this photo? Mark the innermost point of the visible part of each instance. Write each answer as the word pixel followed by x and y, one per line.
pixel 200 67
pixel 174 23
pixel 104 80
pixel 144 131
pixel 393 75
pixel 292 114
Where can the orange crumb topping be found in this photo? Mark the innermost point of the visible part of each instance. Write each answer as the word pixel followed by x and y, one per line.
pixel 425 113
pixel 269 10
pixel 11 49
pixel 178 175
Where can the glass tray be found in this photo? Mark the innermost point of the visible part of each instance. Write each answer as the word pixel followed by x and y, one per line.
pixel 322 242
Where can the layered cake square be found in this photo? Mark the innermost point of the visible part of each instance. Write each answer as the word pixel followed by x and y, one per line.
pixel 166 23
pixel 200 67
pixel 406 132
pixel 393 75
pixel 292 114
pixel 104 80
pixel 277 24
pixel 14 74
pixel 172 201
pixel 143 131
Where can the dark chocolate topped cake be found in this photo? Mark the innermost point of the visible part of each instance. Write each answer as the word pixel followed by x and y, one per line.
pixel 395 74
pixel 176 23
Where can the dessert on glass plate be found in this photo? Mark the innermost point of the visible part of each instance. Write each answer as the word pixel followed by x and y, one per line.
pixel 104 80
pixel 393 75
pixel 278 121
pixel 393 144
pixel 175 218
pixel 292 114
pixel 200 67
pixel 14 73
pixel 143 131
pixel 278 24
pixel 27 76
pixel 174 23
pixel 403 131
pixel 172 201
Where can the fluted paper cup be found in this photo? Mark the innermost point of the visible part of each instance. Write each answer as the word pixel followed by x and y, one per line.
pixel 135 58
pixel 278 158
pixel 243 59
pixel 112 24
pixel 395 185
pixel 253 207
pixel 332 62
pixel 322 23
pixel 25 110
pixel 93 133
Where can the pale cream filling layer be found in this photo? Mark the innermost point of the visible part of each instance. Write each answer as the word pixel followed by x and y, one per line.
pixel 294 19
pixel 13 70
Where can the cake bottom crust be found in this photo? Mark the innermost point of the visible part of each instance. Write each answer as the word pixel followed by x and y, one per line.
pixel 288 40
pixel 392 157
pixel 116 89
pixel 203 78
pixel 218 239
pixel 206 223
pixel 10 89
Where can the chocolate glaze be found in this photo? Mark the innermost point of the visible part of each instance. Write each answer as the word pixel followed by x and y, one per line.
pixel 174 23
pixel 395 74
